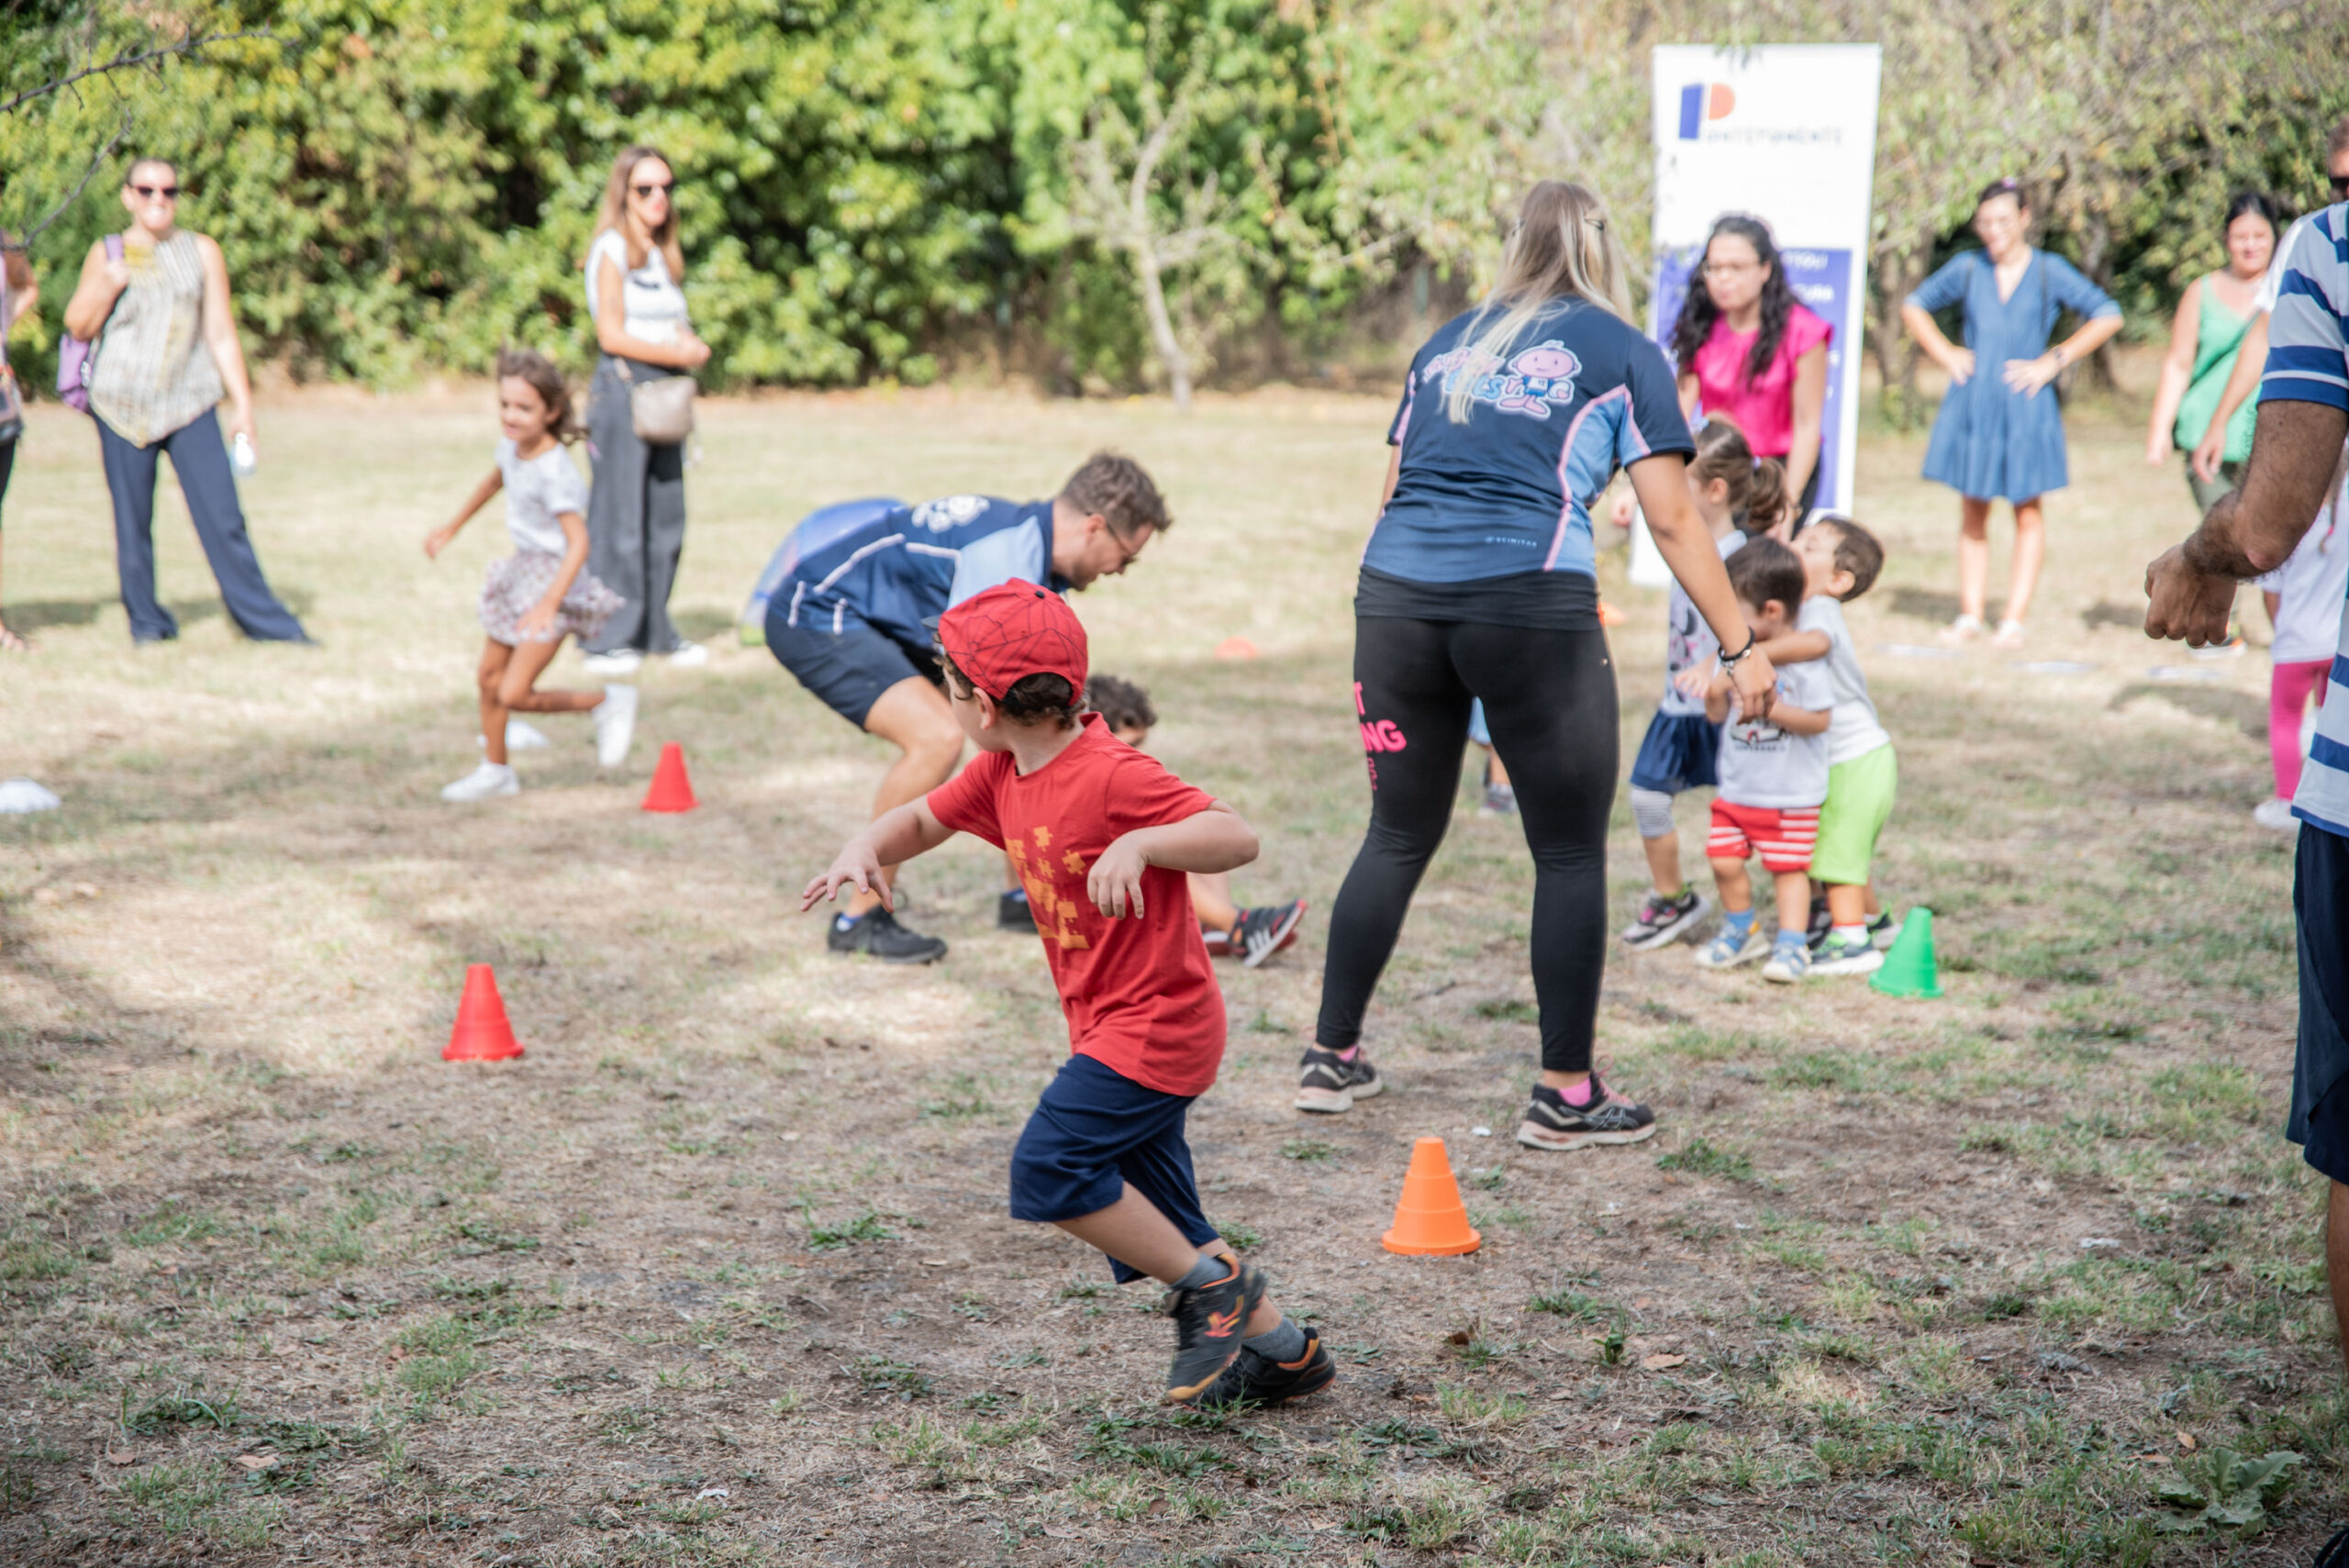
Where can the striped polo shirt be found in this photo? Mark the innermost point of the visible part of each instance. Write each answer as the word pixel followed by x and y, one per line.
pixel 2308 361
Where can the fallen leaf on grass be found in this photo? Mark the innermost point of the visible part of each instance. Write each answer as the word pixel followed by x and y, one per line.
pixel 121 1456
pixel 257 1461
pixel 2186 1440
pixel 1660 1363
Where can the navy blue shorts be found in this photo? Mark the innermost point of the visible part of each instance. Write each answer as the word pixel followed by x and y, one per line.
pixel 1094 1133
pixel 1679 752
pixel 2319 1123
pixel 848 668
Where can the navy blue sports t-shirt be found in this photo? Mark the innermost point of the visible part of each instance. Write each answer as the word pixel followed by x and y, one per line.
pixel 1508 492
pixel 909 565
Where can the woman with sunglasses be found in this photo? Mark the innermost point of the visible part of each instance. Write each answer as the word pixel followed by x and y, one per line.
pixel 164 338
pixel 636 512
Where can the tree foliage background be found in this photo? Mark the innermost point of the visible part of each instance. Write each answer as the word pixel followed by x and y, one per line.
pixel 910 188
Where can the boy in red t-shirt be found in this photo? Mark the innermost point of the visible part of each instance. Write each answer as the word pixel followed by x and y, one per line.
pixel 1102 835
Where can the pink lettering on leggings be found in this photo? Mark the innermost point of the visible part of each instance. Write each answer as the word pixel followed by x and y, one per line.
pixel 1382 735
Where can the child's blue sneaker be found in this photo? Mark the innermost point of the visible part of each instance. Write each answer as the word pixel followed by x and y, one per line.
pixel 1847 955
pixel 1728 949
pixel 1789 959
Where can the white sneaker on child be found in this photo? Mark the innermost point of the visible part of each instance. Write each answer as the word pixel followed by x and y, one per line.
pixel 2276 814
pixel 688 655
pixel 619 662
pixel 485 782
pixel 614 720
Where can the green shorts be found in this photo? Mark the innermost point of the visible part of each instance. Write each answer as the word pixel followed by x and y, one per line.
pixel 1859 800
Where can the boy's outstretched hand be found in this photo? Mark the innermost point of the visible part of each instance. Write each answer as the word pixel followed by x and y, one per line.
pixel 1115 882
pixel 857 864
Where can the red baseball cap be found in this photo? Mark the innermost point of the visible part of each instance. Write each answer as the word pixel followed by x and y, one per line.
pixel 1013 630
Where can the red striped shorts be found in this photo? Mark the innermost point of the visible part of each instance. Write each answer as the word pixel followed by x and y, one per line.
pixel 1783 835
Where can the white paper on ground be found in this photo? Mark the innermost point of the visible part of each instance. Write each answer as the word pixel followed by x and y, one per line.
pixel 19 795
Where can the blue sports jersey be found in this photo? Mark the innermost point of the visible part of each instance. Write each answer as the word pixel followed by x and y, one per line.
pixel 911 564
pixel 1510 490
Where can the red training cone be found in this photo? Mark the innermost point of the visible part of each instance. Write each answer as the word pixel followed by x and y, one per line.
pixel 671 791
pixel 482 1033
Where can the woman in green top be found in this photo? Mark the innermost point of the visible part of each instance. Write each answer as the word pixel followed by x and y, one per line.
pixel 2203 342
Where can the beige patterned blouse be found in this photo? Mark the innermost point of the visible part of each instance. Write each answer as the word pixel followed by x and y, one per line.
pixel 154 373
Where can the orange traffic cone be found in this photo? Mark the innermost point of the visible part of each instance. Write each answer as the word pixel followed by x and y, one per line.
pixel 1429 1221
pixel 482 1033
pixel 671 791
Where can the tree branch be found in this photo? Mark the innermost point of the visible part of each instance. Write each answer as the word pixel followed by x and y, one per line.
pixel 125 61
pixel 97 162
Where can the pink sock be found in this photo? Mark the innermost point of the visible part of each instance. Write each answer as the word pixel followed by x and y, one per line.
pixel 1581 1094
pixel 1350 1053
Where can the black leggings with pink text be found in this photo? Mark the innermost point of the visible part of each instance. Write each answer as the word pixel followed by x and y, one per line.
pixel 1549 702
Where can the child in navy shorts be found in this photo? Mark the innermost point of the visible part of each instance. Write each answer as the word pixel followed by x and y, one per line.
pixel 1102 835
pixel 1739 499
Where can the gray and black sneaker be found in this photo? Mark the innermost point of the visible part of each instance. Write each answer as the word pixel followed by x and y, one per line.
pixel 1821 923
pixel 1664 920
pixel 1256 1379
pixel 1012 913
pixel 1327 1083
pixel 1550 1123
pixel 876 934
pixel 1263 932
pixel 1884 930
pixel 1209 1323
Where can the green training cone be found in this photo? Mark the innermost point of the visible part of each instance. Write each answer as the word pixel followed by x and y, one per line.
pixel 1909 969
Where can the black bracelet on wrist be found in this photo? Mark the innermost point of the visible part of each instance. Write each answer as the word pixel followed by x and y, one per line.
pixel 1730 661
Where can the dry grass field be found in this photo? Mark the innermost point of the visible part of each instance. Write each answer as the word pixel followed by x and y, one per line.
pixel 719 1272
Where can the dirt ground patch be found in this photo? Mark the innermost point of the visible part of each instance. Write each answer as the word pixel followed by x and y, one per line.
pixel 719 1272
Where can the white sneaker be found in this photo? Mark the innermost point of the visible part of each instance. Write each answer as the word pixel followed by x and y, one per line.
pixel 2276 814
pixel 687 655
pixel 485 782
pixel 614 720
pixel 521 735
pixel 619 662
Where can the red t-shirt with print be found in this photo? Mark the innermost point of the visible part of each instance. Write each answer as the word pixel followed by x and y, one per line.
pixel 1140 994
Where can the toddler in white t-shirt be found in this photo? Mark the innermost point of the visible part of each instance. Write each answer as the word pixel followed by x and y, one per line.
pixel 2304 604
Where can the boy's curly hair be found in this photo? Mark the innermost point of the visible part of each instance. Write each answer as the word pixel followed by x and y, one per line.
pixel 1765 570
pixel 1121 704
pixel 1029 698
pixel 1857 551
pixel 1116 486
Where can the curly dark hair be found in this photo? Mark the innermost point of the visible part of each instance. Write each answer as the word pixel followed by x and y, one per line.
pixel 1121 704
pixel 1766 571
pixel 1027 699
pixel 1121 490
pixel 1697 311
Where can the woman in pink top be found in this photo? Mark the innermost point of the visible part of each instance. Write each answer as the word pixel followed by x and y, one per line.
pixel 1748 351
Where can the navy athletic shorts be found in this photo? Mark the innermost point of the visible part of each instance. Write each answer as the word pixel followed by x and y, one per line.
pixel 1094 1133
pixel 2319 1123
pixel 848 669
pixel 1679 752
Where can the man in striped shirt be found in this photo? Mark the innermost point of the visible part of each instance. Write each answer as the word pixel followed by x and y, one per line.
pixel 2303 418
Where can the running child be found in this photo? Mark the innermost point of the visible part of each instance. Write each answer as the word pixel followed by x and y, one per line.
pixel 1254 934
pixel 543 591
pixel 1738 498
pixel 1773 778
pixel 1103 835
pixel 2303 598
pixel 1841 560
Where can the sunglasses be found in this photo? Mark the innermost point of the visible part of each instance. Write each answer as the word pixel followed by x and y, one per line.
pixel 646 190
pixel 169 192
pixel 2339 183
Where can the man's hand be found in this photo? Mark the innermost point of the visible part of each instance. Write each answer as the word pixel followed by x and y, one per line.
pixel 857 865
pixel 1115 882
pixel 2185 602
pixel 1754 684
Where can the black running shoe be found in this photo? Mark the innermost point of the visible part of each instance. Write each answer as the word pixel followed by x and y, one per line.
pixel 1550 1123
pixel 1664 920
pixel 1012 913
pixel 877 934
pixel 1254 1378
pixel 1208 1322
pixel 1263 932
pixel 1328 1083
pixel 2333 1554
pixel 1822 925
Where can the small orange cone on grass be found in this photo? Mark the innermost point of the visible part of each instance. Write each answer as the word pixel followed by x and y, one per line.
pixel 1235 647
pixel 482 1033
pixel 1430 1219
pixel 671 791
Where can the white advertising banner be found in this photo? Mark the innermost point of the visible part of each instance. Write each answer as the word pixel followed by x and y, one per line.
pixel 1785 133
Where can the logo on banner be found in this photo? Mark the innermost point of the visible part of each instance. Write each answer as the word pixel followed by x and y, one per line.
pixel 1702 101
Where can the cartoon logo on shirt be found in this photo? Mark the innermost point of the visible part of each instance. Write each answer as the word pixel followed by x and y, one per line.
pixel 940 515
pixel 1532 382
pixel 1055 915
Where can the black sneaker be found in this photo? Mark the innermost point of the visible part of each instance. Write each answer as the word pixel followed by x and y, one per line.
pixel 1550 1123
pixel 1884 930
pixel 1012 913
pixel 1822 925
pixel 1328 1083
pixel 1254 1378
pixel 1208 1322
pixel 1263 932
pixel 1664 920
pixel 876 934
pixel 2333 1554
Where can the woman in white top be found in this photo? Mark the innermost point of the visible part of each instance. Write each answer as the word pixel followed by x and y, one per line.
pixel 636 513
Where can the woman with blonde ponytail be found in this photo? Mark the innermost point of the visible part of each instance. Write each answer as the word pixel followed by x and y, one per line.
pixel 1479 583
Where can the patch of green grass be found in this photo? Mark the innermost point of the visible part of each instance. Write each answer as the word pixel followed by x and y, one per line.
pixel 1308 1150
pixel 171 1223
pixel 962 1100
pixel 1697 1044
pixel 1508 1010
pixel 1838 1070
pixel 879 1374
pixel 188 1408
pixel 1699 1157
pixel 176 1495
pixel 1241 1235
pixel 30 1259
pixel 865 1226
pixel 490 1239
